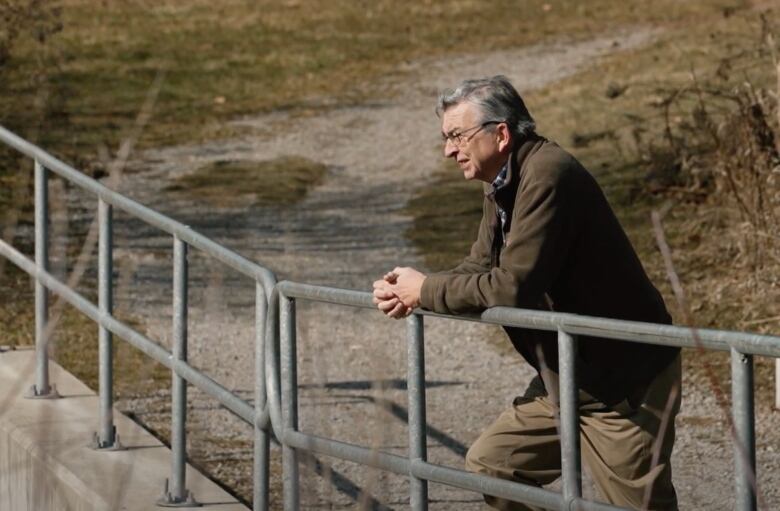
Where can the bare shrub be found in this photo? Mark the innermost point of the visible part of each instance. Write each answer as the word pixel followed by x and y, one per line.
pixel 720 150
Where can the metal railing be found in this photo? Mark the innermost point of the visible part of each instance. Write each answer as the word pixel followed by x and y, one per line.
pixel 175 493
pixel 743 346
pixel 275 409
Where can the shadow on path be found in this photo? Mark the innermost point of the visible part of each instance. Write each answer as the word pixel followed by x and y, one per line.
pixel 393 383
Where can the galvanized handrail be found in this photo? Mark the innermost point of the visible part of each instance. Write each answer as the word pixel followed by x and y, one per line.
pixel 283 407
pixel 175 493
pixel 631 331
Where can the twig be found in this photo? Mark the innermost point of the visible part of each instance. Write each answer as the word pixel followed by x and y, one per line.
pixel 116 168
pixel 659 441
pixel 366 501
pixel 760 321
pixel 684 309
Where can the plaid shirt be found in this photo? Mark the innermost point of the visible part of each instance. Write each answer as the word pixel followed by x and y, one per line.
pixel 498 183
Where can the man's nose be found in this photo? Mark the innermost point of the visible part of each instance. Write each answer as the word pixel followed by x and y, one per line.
pixel 450 149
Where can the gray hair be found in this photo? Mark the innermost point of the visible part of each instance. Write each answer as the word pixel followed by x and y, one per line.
pixel 496 99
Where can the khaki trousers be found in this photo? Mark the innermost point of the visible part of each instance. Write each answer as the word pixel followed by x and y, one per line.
pixel 617 444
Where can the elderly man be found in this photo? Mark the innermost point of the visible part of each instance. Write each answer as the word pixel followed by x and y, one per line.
pixel 549 240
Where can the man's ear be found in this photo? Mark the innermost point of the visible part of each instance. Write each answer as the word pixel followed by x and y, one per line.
pixel 504 137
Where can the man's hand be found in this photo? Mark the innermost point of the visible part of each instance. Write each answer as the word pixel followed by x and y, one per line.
pixel 387 302
pixel 406 284
pixel 398 293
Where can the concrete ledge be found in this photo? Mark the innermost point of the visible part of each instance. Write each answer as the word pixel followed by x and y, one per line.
pixel 45 461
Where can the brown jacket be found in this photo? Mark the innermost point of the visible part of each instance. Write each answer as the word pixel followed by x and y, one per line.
pixel 562 249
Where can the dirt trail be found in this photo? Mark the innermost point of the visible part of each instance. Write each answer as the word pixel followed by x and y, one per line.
pixel 345 233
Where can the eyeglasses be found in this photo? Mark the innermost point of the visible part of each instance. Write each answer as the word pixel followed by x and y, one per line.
pixel 459 137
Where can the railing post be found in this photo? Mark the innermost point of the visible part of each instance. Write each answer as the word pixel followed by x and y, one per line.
pixel 289 366
pixel 42 389
pixel 418 488
pixel 569 415
pixel 744 422
pixel 262 437
pixel 105 437
pixel 176 493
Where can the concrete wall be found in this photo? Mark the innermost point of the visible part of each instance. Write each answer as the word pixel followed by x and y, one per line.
pixel 46 463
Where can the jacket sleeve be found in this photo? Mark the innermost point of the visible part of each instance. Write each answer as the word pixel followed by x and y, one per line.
pixel 540 236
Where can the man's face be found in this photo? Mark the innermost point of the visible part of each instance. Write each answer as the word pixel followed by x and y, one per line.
pixel 480 153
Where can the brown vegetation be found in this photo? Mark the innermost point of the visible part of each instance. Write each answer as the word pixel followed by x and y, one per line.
pixel 227 183
pixel 718 162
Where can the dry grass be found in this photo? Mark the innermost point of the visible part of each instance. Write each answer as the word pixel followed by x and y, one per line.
pixel 237 58
pixel 719 163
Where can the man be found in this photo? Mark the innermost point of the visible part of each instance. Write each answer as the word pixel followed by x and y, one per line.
pixel 549 240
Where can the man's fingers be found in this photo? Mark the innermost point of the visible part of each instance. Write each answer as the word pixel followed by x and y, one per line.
pixel 387 305
pixel 383 294
pixel 398 312
pixel 384 291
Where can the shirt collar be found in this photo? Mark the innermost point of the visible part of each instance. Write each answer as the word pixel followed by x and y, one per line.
pixel 501 179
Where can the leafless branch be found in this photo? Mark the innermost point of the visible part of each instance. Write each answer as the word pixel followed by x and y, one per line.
pixel 115 168
pixel 685 313
pixel 658 445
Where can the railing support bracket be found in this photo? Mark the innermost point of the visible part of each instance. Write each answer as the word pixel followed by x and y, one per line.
pixel 99 445
pixel 50 393
pixel 168 500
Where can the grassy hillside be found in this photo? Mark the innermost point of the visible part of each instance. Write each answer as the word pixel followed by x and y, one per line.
pixel 89 75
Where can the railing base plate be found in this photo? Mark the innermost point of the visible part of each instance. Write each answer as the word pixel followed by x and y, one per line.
pixel 168 500
pixel 52 393
pixel 97 445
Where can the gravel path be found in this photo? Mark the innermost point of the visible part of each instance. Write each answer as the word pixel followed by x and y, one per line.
pixel 346 233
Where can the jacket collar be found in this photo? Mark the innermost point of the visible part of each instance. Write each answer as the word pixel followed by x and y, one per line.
pixel 516 162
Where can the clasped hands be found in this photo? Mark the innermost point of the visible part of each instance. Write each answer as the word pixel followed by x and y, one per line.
pixel 397 294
